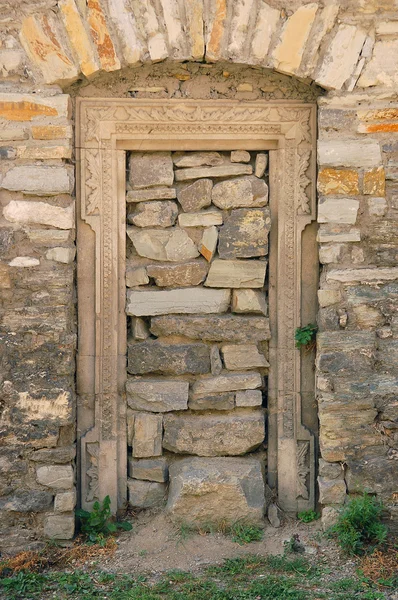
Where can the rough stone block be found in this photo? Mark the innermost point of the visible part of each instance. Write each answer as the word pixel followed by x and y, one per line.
pixel 221 434
pixel 248 398
pixel 382 67
pixel 240 193
pixel 177 359
pixel 227 382
pixel 38 180
pixel 62 255
pixel 377 207
pixel 240 156
pixel 149 469
pixel 147 436
pixel 180 275
pixel 48 237
pixel 208 243
pixel 185 300
pixel 55 476
pixel 24 261
pixel 227 170
pixel 172 245
pixel 157 395
pixel 217 490
pixel 330 470
pixel 139 329
pixel 215 360
pixel 261 164
pixel 330 253
pixel 201 219
pixel 155 193
pixel 328 297
pixel 65 502
pixel 146 494
pixel 195 196
pixel 213 328
pixel 364 275
pixel 78 37
pixel 197 159
pixel 24 212
pixel 326 235
pixel 26 501
pixel 59 455
pixel 148 169
pixel 376 474
pixel 331 491
pixel 346 351
pixel 213 402
pixel 59 527
pixel 154 214
pixel 349 153
pixel 244 234
pixel 249 301
pixel 236 274
pixel 237 357
pixel 341 57
pixel 338 181
pixel 374 182
pixel 136 277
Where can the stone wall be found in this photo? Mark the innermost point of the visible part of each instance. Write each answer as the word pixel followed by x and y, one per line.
pixel 51 51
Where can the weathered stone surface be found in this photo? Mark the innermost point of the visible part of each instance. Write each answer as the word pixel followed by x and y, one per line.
pixel 349 351
pixel 331 491
pixel 146 494
pixel 330 470
pixel 382 69
pixel 148 169
pixel 54 455
pixel 374 182
pixel 249 301
pixel 246 356
pixel 377 207
pixel 201 219
pixel 261 164
pixel 227 382
pixel 197 159
pixel 51 132
pixel 329 517
pixel 152 356
pixel 48 237
pixel 328 297
pixel 155 193
pixel 248 398
pixel 65 501
pixel 27 501
pixel 21 211
pixel 338 181
pixel 215 360
pixel 24 261
pixel 245 233
pixel 195 196
pixel 59 527
pixel 216 328
pixel 243 192
pixel 78 37
pixel 341 57
pixel 101 37
pixel 154 214
pixel 182 275
pixel 220 434
pixel 208 243
pixel 224 401
pixel 227 170
pixel 62 255
pixel 135 277
pixel 371 275
pixel 172 245
pixel 236 274
pixel 349 153
pixel 44 152
pixel 38 180
pixel 55 476
pixel 240 156
pixel 376 474
pixel 216 490
pixel 149 469
pixel 185 300
pixel 338 210
pixel 327 235
pixel 147 436
pixel 157 395
pixel 139 329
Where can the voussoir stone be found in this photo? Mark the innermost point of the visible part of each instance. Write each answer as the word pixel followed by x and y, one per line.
pixel 155 193
pixel 41 213
pixel 149 469
pixel 185 300
pixel 245 356
pixel 152 356
pixel 213 328
pixel 39 180
pixel 154 214
pixel 197 159
pixel 216 490
pixel 236 274
pixel 146 494
pixel 55 476
pixel 149 169
pixel 179 275
pixel 240 193
pixel 172 245
pixel 157 395
pixel 195 196
pixel 227 170
pixel 226 382
pixel 244 233
pixel 220 434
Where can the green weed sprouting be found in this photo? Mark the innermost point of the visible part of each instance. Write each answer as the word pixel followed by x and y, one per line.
pixel 305 336
pixel 97 524
pixel 307 516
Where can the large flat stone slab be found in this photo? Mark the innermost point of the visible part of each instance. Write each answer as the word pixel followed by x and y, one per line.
pixel 219 434
pixel 179 275
pixel 186 301
pixel 157 395
pixel 197 159
pixel 227 382
pixel 213 328
pixel 172 244
pixel 217 490
pixel 245 233
pixel 155 193
pixel 149 169
pixel 153 356
pixel 39 180
pixel 226 170
pixel 236 274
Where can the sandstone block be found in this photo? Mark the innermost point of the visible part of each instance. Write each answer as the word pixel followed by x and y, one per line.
pixel 216 490
pixel 27 501
pixel 329 470
pixel 236 193
pixel 149 469
pixel 371 275
pixel 136 277
pixel 146 494
pixel 195 196
pixel 38 180
pixel 157 395
pixel 240 156
pixel 21 211
pixel 139 329
pixel 341 57
pixel 62 255
pixel 214 328
pixel 180 275
pixel 245 233
pixel 249 398
pixel 325 235
pixel 55 476
pixel 153 356
pixel 59 527
pixel 148 169
pixel 215 360
pixel 208 243
pixel 236 274
pixel 172 245
pixel 197 159
pixel 24 261
pixel 328 297
pixel 331 491
pixel 338 210
pixel 227 170
pixel 65 502
pixel 201 219
pixel 237 357
pixel 78 37
pixel 147 436
pixel 220 434
pixel 155 193
pixel 43 152
pixel 374 182
pixel 224 401
pixel 185 300
pixel 338 181
pixel 382 67
pixel 261 164
pixel 101 37
pixel 249 301
pixel 227 382
pixel 377 474
pixel 154 214
pixel 51 132
pixel 47 237
pixel 349 153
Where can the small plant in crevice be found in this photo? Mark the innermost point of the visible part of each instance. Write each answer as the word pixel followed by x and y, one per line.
pixel 359 529
pixel 98 523
pixel 305 337
pixel 307 516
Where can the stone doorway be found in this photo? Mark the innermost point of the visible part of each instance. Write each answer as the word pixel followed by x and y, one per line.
pixel 107 130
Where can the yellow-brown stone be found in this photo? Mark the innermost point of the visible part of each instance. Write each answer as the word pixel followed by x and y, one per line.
pixel 78 37
pixel 383 114
pixel 381 128
pixel 374 182
pixel 338 181
pixel 101 36
pixel 217 30
pixel 51 132
pixel 44 152
pixel 5 281
pixel 25 111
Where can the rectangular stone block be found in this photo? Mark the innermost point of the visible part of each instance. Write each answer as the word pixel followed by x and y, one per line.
pixel 65 501
pixel 240 193
pixel 244 233
pixel 172 244
pixel 179 275
pixel 213 402
pixel 59 527
pixel 346 351
pixel 249 301
pixel 38 180
pixel 26 107
pixel 341 57
pixel 147 436
pixel 237 357
pixel 249 398
pixel 236 274
pixel 349 153
pixel 146 494
pixel 227 170
pixel 148 169
pixel 197 159
pixel 157 395
pixel 338 181
pixel 371 275
pixel 335 235
pixel 186 301
pixel 201 219
pixel 149 469
pixel 55 476
pixel 21 211
pixel 216 328
pixel 227 382
pixel 196 195
pixel 155 193
pixel 338 210
pixel 177 359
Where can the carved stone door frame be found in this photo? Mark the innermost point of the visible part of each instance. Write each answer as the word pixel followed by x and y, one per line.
pixel 106 129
